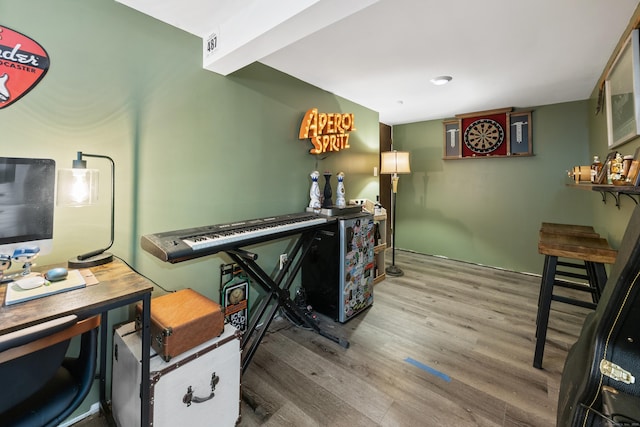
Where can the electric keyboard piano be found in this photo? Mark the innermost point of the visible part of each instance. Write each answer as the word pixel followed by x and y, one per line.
pixel 182 245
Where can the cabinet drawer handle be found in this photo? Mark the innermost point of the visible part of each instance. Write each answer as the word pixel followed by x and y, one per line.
pixel 189 398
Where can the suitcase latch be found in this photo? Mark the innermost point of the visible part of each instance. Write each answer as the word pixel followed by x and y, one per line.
pixel 160 336
pixel 189 398
pixel 615 372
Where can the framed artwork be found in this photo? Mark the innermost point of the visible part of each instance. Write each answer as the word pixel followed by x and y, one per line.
pixel 519 133
pixel 452 140
pixel 621 93
pixel 493 133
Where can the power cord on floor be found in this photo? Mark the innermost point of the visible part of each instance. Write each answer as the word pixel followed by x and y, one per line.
pixel 300 301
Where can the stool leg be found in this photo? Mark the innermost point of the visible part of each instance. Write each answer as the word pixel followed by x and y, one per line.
pixel 597 278
pixel 544 306
pixel 544 274
pixel 593 281
pixel 600 274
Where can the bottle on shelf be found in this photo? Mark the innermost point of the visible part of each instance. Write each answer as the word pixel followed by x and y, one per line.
pixel 377 207
pixel 596 167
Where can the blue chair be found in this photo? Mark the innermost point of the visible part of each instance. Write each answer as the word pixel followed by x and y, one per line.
pixel 40 384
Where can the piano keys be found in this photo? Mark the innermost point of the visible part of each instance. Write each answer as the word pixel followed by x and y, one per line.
pixel 181 245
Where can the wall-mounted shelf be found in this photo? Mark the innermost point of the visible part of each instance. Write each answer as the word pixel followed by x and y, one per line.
pixel 616 191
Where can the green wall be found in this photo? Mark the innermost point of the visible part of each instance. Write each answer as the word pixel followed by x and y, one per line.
pixel 195 148
pixel 609 220
pixel 489 210
pixel 191 147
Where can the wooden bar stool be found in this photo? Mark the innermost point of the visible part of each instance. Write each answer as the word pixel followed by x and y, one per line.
pixel 565 268
pixel 590 250
pixel 568 229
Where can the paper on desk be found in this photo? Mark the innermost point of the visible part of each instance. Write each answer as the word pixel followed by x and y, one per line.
pixel 89 278
pixel 15 294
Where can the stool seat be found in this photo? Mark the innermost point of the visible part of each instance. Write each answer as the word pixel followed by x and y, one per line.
pixel 577 243
pixel 568 229
pixel 580 247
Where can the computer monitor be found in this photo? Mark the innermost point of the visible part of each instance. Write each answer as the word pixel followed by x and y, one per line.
pixel 27 197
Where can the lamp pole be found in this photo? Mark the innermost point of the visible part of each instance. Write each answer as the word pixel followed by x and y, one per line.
pixel 113 186
pixel 393 163
pixel 393 269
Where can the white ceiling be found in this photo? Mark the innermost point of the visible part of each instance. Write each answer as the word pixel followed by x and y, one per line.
pixel 382 53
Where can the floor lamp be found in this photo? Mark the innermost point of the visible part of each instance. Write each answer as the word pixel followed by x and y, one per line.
pixel 78 186
pixel 394 163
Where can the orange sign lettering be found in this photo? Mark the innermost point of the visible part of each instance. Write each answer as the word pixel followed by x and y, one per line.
pixel 327 131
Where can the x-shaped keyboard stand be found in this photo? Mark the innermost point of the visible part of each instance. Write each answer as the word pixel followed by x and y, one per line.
pixel 278 295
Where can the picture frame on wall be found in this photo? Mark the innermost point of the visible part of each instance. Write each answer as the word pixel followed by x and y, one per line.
pixel 621 93
pixel 519 133
pixel 452 139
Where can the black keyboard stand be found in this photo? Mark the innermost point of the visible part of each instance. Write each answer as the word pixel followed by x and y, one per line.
pixel 278 295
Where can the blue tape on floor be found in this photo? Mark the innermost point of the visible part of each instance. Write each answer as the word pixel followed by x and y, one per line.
pixel 428 369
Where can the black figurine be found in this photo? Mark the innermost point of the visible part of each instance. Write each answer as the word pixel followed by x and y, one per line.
pixel 327 202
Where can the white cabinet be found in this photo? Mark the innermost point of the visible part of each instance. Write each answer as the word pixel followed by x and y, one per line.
pixel 196 388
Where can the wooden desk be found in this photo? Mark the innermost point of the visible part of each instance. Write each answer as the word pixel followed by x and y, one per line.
pixel 119 286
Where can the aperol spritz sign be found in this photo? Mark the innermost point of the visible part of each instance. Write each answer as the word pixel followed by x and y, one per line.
pixel 327 131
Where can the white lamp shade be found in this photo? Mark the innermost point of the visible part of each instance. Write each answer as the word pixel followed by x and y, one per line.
pixel 77 187
pixel 395 162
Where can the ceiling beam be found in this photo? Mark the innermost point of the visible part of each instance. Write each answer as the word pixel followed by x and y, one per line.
pixel 264 27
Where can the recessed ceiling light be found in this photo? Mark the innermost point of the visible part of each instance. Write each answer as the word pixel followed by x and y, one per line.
pixel 441 80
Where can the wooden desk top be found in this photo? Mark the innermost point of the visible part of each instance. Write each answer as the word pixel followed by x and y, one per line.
pixel 118 283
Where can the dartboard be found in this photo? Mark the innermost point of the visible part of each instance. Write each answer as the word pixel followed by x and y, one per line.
pixel 483 136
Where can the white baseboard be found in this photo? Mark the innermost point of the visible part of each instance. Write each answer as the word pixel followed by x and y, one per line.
pixel 95 408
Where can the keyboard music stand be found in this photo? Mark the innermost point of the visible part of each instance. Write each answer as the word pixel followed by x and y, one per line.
pixel 278 295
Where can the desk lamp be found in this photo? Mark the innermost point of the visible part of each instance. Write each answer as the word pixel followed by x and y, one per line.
pixel 78 187
pixel 394 163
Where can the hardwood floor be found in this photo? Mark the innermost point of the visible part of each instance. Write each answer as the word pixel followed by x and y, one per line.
pixel 448 343
pixel 473 326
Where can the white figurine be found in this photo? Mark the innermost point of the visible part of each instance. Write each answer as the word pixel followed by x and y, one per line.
pixel 340 201
pixel 314 193
pixel 5 264
pixel 26 255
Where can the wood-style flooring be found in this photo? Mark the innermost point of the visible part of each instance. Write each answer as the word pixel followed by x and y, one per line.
pixel 447 344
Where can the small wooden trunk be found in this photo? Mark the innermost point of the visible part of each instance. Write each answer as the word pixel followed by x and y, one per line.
pixel 182 320
pixel 200 387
